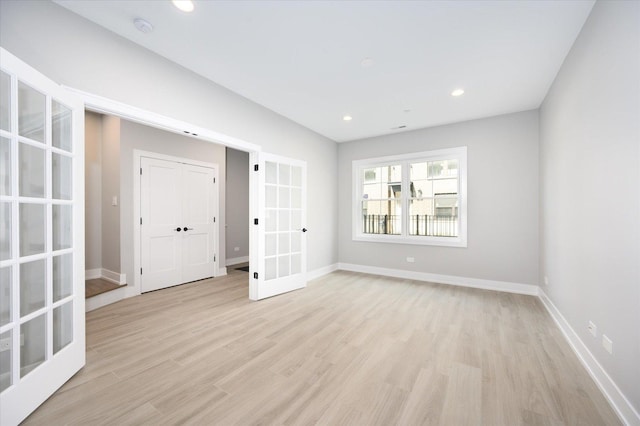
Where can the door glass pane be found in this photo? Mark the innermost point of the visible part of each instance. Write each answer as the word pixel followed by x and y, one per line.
pixel 5 231
pixel 61 126
pixel 61 176
pixel 61 226
pixel 296 240
pixel 5 360
pixel 5 166
pixel 32 171
pixel 284 198
pixel 271 194
pixel 271 220
pixel 32 286
pixel 284 174
pixel 296 264
pixel 283 266
pixel 296 198
pixel 271 174
pixel 62 326
pixel 283 220
pixel 270 268
pixel 5 101
pixel 296 176
pixel 283 243
pixel 33 351
pixel 62 276
pixel 31 109
pixel 271 242
pixel 296 220
pixel 6 279
pixel 32 229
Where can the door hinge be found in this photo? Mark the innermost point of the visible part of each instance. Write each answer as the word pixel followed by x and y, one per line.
pixel 255 275
pixel 255 221
pixel 255 168
pixel 140 271
pixel 214 257
pixel 141 171
pixel 140 221
pixel 214 220
pixel 214 180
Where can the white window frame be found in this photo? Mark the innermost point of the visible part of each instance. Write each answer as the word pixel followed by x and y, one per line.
pixel 458 153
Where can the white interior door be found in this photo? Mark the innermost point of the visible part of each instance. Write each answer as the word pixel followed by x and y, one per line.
pixel 282 252
pixel 42 325
pixel 177 223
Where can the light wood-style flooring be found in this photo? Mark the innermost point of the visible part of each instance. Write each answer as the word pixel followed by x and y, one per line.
pixel 350 349
pixel 98 286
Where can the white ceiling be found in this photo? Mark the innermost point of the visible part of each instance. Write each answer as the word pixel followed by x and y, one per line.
pixel 303 59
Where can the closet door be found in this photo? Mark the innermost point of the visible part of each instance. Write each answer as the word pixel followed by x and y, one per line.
pixel 42 322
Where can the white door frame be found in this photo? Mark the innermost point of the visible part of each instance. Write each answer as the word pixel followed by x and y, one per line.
pixel 137 229
pixel 104 105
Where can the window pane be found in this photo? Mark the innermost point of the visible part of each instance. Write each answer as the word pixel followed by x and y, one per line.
pixel 271 196
pixel 296 264
pixel 419 171
pixel 6 279
pixel 270 268
pixel 31 108
pixel 296 243
pixel 32 229
pixel 62 326
pixel 271 241
pixel 32 286
pixel 61 126
pixel 61 171
pixel 296 176
pixel 283 220
pixel 430 220
pixel 382 217
pixel 5 101
pixel 444 168
pixel 5 166
pixel 5 231
pixel 445 186
pixel 296 198
pixel 33 351
pixel 271 174
pixel 31 169
pixel 284 199
pixel 62 232
pixel 421 188
pixel 271 220
pixel 283 266
pixel 62 276
pixel 5 361
pixel 283 243
pixel 284 171
pixel 372 175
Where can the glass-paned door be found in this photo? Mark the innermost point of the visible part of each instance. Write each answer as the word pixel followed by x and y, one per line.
pixel 42 341
pixel 282 264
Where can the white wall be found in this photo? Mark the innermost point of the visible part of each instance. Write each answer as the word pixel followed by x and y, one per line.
pixel 237 207
pixel 75 52
pixel 502 156
pixel 93 191
pixel 135 136
pixel 590 189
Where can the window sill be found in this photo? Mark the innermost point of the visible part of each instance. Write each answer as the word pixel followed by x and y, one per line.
pixel 421 241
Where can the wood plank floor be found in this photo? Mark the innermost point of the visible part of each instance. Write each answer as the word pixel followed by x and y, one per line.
pixel 98 286
pixel 351 349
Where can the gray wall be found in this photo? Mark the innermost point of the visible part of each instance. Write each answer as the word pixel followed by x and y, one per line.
pixel 111 188
pixel 93 190
pixel 135 136
pixel 502 230
pixel 75 52
pixel 237 208
pixel 590 189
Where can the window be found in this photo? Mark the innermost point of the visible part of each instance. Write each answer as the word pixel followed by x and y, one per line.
pixel 413 199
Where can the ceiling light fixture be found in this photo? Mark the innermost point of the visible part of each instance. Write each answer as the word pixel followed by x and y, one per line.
pixel 347 118
pixel 184 5
pixel 457 92
pixel 143 25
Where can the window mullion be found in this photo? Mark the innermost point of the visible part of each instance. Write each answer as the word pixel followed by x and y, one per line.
pixel 405 198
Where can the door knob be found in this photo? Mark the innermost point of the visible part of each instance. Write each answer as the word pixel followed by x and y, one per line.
pixel 304 229
pixel 178 229
pixel 185 229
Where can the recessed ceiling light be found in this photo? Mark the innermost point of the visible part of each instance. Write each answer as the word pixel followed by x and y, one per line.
pixel 143 25
pixel 366 62
pixel 184 5
pixel 457 92
pixel 347 118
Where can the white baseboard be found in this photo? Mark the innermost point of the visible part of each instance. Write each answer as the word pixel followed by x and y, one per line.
pixel 114 277
pixel 508 287
pixel 620 404
pixel 222 272
pixel 105 299
pixel 92 274
pixel 236 260
pixel 317 273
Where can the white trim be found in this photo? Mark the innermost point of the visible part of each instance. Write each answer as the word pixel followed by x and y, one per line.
pixel 236 260
pixel 620 404
pixel 505 286
pixel 92 274
pixel 459 153
pixel 221 272
pixel 320 272
pixel 114 277
pixel 104 299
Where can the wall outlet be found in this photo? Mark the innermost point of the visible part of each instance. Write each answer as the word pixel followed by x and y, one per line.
pixel 5 344
pixel 592 329
pixel 411 259
pixel 114 200
pixel 546 280
pixel 607 344
pixel 236 249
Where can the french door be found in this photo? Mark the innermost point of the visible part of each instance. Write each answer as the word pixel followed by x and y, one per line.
pixel 177 223
pixel 282 251
pixel 42 326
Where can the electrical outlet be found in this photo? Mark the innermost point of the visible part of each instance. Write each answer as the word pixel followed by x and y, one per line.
pixel 546 280
pixel 607 344
pixel 236 249
pixel 411 259
pixel 5 344
pixel 592 329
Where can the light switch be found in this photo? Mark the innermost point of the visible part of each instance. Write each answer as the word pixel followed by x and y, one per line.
pixel 114 200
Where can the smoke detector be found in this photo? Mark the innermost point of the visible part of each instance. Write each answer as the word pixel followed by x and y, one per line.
pixel 143 25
